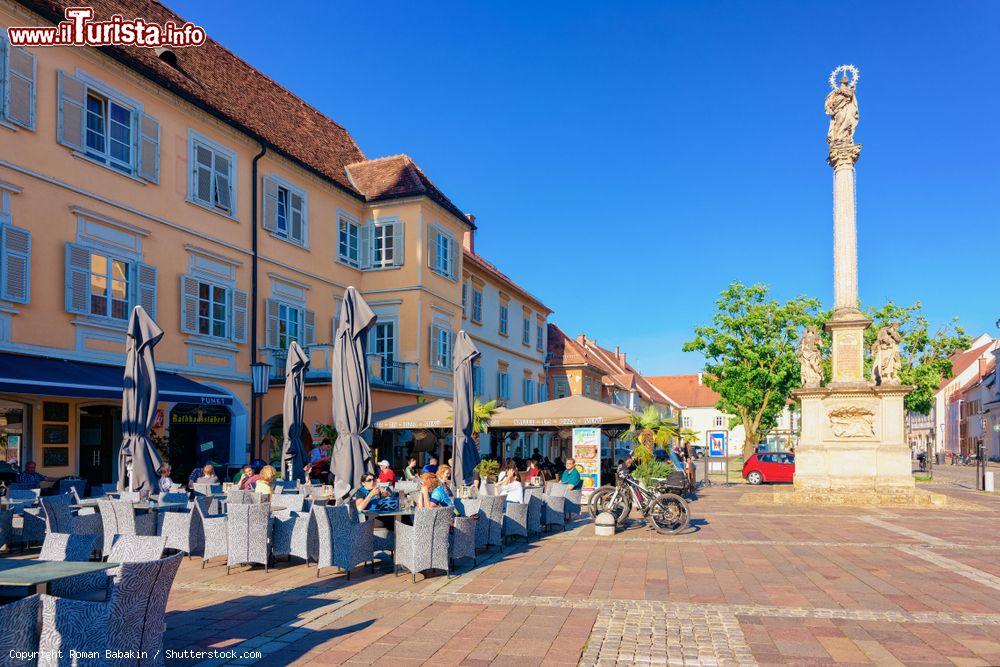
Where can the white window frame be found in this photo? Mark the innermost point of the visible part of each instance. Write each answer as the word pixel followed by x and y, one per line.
pixel 135 107
pixel 388 229
pixel 442 348
pixel 285 308
pixel 194 140
pixel 290 189
pixel 227 309
pixel 685 422
pixel 719 421
pixel 444 262
pixel 344 218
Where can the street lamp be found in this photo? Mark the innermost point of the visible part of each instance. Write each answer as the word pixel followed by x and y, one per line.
pixel 260 380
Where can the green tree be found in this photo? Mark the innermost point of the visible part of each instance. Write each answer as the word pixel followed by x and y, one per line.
pixel 647 430
pixel 924 357
pixel 750 354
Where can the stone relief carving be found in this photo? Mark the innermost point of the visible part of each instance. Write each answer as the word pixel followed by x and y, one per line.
pixel 810 359
pixel 852 421
pixel 885 353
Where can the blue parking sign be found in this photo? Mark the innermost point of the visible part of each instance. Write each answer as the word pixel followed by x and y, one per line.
pixel 717 443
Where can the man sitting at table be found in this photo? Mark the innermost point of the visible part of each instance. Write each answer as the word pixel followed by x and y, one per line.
pixel 385 473
pixel 29 476
pixel 571 475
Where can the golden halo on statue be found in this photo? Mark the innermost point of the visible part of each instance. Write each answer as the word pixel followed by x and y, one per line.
pixel 846 69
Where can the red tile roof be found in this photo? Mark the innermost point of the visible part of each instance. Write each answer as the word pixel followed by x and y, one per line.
pixel 503 278
pixel 395 177
pixel 688 390
pixel 961 361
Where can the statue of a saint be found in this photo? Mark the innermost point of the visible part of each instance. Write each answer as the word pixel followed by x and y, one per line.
pixel 885 353
pixel 842 108
pixel 810 359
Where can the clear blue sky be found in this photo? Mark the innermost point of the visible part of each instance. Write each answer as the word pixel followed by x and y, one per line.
pixel 626 161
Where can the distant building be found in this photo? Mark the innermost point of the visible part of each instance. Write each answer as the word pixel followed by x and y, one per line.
pixel 967 366
pixel 698 411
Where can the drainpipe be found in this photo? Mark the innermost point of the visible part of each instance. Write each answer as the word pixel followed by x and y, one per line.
pixel 254 301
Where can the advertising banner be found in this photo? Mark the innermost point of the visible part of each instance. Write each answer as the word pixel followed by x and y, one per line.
pixel 587 454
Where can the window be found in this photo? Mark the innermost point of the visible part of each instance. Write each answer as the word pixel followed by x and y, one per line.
pixel 503 384
pixel 288 321
pixel 348 247
pixel 526 331
pixel 17 87
pixel 387 245
pixel 477 379
pixel 504 313
pixel 441 252
pixel 213 311
pixel 288 325
pixel 384 339
pixel 686 421
pixel 543 390
pixel 719 421
pixel 440 346
pixel 539 337
pixel 213 176
pixel 586 387
pixel 108 287
pixel 109 132
pixel 560 386
pixel 285 210
pixel 465 298
pixel 529 390
pixel 15 255
pixel 477 305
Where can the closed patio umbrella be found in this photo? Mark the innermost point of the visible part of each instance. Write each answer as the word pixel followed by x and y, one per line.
pixel 465 450
pixel 293 458
pixel 352 394
pixel 138 461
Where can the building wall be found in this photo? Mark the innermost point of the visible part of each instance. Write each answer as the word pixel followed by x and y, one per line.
pixel 703 420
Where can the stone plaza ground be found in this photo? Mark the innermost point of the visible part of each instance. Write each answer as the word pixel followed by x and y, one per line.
pixel 748 585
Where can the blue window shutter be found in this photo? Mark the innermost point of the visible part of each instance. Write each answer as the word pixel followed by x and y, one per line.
pixel 189 304
pixel 297 227
pixel 398 244
pixel 16 270
pixel 72 95
pixel 271 308
pixel 149 148
pixel 310 327
pixel 146 288
pixel 19 87
pixel 365 245
pixel 432 246
pixel 238 318
pixel 269 219
pixel 77 279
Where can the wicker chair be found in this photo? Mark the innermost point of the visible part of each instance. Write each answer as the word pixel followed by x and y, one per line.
pixel 23 495
pixel 343 542
pixel 554 512
pixel 109 488
pixel 489 528
pixel 536 508
pixel 515 521
pixel 59 518
pixel 7 528
pixel 462 540
pixel 213 530
pixel 424 545
pixel 574 497
pixel 76 484
pixel 242 496
pixel 96 585
pixel 48 626
pixel 182 531
pixel 202 489
pixel 173 497
pixel 137 608
pixel 32 527
pixel 248 535
pixel 66 547
pixel 119 518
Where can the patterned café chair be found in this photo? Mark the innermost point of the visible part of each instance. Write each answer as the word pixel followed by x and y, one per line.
pixel 462 540
pixel 574 497
pixel 59 518
pixel 75 484
pixel 109 488
pixel 536 508
pixel 213 530
pixel 515 521
pixel 291 502
pixel 95 586
pixel 182 531
pixel 27 496
pixel 173 497
pixel 202 489
pixel 285 486
pixel 32 527
pixel 343 542
pixel 424 545
pixel 120 518
pixel 138 606
pixel 554 511
pixel 489 528
pixel 248 535
pixel 61 626
pixel 242 496
pixel 67 547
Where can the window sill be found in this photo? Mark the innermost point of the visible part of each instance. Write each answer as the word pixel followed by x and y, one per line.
pixel 87 158
pixel 211 209
pixel 211 341
pixel 97 322
pixel 347 263
pixel 444 275
pixel 10 126
pixel 285 239
pixel 384 268
pixel 504 334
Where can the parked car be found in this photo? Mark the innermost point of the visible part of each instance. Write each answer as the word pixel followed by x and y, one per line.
pixel 769 467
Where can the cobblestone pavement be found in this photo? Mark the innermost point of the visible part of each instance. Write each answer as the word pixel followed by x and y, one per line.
pixel 748 585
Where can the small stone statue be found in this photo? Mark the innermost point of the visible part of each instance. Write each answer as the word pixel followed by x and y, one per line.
pixel 885 351
pixel 842 108
pixel 810 359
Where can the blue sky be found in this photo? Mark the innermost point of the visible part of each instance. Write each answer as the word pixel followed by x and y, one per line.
pixel 626 161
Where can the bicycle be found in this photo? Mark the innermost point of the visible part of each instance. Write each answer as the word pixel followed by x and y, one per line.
pixel 667 510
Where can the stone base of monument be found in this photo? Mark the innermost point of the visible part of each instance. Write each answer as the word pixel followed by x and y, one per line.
pixel 852 498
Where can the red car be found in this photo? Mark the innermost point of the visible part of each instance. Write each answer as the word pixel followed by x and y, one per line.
pixel 769 467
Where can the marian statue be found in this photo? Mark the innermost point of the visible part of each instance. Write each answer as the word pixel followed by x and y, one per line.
pixel 885 354
pixel 842 107
pixel 810 359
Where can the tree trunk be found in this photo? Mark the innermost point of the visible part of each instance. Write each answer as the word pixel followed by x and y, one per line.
pixel 749 444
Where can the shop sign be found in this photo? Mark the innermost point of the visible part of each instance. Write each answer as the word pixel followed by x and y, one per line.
pixel 199 417
pixel 587 454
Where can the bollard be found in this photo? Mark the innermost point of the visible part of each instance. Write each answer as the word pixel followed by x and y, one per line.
pixel 604 525
pixel 988 481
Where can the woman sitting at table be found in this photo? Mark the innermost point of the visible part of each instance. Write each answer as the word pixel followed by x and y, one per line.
pixel 512 488
pixel 444 480
pixel 534 472
pixel 265 483
pixel 431 493
pixel 243 480
pixel 505 474
pixel 371 496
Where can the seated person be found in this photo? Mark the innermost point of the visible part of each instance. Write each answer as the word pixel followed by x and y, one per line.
pixel 165 481
pixel 571 475
pixel 385 473
pixel 512 488
pixel 265 481
pixel 204 475
pixel 242 478
pixel 410 471
pixel 370 496
pixel 533 471
pixel 431 493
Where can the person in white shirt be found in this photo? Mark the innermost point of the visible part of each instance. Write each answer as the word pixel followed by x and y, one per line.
pixel 512 487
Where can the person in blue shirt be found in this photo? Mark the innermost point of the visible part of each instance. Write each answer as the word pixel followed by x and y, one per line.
pixel 571 475
pixel 369 494
pixel 432 494
pixel 30 476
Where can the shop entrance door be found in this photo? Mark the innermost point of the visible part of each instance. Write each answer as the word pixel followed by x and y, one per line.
pixel 100 438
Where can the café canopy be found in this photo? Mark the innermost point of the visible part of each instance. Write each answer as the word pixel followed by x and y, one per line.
pixel 560 413
pixel 437 414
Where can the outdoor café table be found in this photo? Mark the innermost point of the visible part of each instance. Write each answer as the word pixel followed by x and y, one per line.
pixel 34 575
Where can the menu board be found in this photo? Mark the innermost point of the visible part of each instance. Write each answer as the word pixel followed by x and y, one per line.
pixel 587 454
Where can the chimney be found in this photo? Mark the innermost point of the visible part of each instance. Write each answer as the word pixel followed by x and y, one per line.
pixel 699 379
pixel 623 361
pixel 469 238
pixel 582 339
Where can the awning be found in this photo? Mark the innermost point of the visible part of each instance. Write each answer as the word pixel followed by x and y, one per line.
pixel 46 376
pixel 436 414
pixel 559 413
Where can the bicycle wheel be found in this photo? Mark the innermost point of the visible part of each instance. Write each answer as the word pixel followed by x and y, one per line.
pixel 600 498
pixel 669 514
pixel 620 507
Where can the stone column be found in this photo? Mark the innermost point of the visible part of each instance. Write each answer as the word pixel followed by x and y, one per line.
pixel 847 325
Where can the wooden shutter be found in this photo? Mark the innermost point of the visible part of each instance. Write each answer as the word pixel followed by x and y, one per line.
pixel 433 347
pixel 146 288
pixel 223 191
pixel 77 279
pixel 453 264
pixel 16 264
pixel 189 304
pixel 19 88
pixel 296 217
pixel 149 148
pixel 72 96
pixel 310 327
pixel 271 309
pixel 238 317
pixel 366 245
pixel 432 234
pixel 398 244
pixel 270 217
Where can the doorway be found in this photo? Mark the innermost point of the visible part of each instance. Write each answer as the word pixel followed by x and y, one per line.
pixel 100 437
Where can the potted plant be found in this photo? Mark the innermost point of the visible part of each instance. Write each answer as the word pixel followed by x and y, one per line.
pixel 488 469
pixel 649 429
